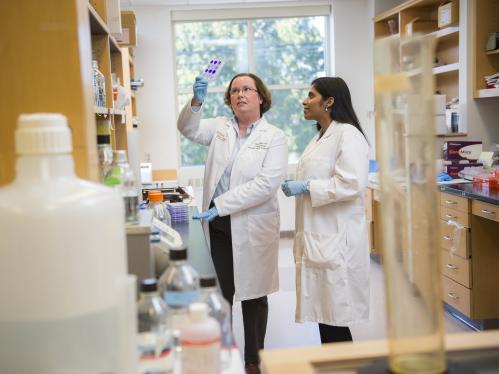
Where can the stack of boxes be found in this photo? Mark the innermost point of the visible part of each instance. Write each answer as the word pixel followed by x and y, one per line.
pixel 459 155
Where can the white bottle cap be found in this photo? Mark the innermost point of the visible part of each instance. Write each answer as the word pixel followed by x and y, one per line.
pixel 198 311
pixel 42 133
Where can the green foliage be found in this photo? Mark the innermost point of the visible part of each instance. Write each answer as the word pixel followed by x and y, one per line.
pixel 286 51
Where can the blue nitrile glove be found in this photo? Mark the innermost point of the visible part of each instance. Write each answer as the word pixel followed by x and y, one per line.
pixel 209 215
pixel 199 88
pixel 293 188
pixel 443 177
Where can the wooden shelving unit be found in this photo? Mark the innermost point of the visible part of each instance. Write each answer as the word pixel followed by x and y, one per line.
pixel 447 43
pixel 484 21
pixel 112 60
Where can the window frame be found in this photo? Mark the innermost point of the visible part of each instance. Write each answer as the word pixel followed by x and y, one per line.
pixel 203 14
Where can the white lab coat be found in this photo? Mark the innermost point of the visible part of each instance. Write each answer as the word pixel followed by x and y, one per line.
pixel 257 172
pixel 331 246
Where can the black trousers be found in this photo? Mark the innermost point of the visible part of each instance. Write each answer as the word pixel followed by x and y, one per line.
pixel 334 334
pixel 255 311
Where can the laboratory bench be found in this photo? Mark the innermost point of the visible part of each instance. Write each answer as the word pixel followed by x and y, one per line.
pixel 140 253
pixel 472 352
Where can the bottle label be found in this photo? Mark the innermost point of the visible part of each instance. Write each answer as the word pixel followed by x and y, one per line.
pixel 155 352
pixel 178 299
pixel 204 355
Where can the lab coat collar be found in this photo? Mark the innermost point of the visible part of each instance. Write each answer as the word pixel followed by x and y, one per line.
pixel 315 142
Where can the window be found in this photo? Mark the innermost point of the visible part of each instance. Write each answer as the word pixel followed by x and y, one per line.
pixel 287 53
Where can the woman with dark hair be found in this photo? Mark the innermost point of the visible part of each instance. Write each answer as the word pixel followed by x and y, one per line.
pixel 331 247
pixel 247 161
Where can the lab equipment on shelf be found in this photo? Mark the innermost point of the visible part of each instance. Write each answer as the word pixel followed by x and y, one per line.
pixel 122 178
pixel 67 301
pixel 154 332
pixel 200 341
pixel 105 155
pixel 99 84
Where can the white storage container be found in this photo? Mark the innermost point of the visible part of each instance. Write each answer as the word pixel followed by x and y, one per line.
pixel 67 301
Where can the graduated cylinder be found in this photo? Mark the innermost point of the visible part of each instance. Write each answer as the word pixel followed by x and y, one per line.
pixel 406 154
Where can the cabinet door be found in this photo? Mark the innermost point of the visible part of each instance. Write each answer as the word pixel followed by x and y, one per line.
pixel 448 239
pixel 485 210
pixel 454 202
pixel 457 295
pixel 449 214
pixel 456 268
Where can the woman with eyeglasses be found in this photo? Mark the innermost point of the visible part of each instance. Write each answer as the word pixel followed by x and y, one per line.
pixel 247 161
pixel 331 246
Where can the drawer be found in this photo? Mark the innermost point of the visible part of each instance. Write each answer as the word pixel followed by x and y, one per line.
pixel 454 202
pixel 485 210
pixel 455 215
pixel 456 295
pixel 447 238
pixel 456 268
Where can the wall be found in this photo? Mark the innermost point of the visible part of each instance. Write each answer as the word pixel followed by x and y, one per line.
pixel 156 100
pixel 351 52
pixel 353 32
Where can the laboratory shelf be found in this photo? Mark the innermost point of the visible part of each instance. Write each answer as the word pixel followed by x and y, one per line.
pixel 446 68
pixel 487 92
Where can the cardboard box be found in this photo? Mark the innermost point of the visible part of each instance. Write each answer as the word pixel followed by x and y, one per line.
pixel 416 25
pixel 448 14
pixel 454 169
pixel 462 150
pixel 128 35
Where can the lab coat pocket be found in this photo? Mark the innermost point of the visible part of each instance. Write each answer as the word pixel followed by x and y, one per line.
pixel 263 230
pixel 324 250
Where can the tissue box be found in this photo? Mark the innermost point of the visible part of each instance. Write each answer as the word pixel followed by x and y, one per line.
pixel 462 150
pixel 454 169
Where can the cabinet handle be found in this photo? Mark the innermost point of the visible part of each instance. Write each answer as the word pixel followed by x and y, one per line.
pixel 450 216
pixel 485 211
pixel 453 296
pixel 452 266
pixel 447 237
pixel 450 202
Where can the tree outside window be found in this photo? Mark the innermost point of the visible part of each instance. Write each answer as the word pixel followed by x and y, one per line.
pixel 287 53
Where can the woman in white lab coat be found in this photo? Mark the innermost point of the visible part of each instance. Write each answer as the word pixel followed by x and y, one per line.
pixel 331 248
pixel 247 161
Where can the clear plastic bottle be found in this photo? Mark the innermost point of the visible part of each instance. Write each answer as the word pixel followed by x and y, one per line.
pixel 123 180
pixel 158 207
pixel 200 341
pixel 105 155
pixel 96 83
pixel 178 286
pixel 67 304
pixel 219 309
pixel 155 338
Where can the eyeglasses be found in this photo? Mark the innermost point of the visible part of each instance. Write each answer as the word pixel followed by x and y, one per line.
pixel 245 91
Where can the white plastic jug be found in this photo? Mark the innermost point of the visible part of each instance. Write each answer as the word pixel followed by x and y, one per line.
pixel 67 303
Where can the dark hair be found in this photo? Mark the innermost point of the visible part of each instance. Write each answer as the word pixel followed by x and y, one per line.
pixel 342 110
pixel 262 89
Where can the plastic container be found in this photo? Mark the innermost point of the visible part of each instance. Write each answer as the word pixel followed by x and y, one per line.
pixel 67 301
pixel 155 338
pixel 179 286
pixel 158 207
pixel 122 178
pixel 200 341
pixel 219 309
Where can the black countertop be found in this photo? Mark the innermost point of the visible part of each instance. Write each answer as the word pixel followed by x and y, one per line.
pixel 473 191
pixel 198 252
